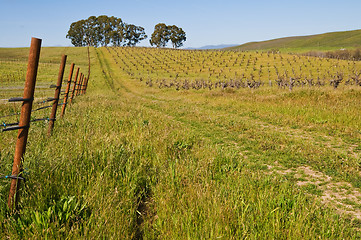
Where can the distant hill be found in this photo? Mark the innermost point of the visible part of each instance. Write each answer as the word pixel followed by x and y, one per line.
pixel 214 46
pixel 321 42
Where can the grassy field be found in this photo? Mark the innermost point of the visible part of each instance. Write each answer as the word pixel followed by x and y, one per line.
pixel 320 42
pixel 129 161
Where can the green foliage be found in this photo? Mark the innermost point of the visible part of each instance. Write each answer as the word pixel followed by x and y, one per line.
pixel 76 34
pixel 133 34
pixel 104 30
pixel 177 36
pixel 61 215
pixel 160 35
pixel 163 33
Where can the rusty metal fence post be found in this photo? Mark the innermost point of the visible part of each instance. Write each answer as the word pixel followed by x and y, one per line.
pixel 56 95
pixel 24 121
pixel 83 87
pixel 79 84
pixel 86 85
pixel 67 90
pixel 74 86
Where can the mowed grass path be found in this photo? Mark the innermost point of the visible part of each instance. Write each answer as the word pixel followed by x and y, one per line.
pixel 132 162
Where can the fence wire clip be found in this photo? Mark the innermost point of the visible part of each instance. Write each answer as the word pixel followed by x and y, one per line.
pixel 14 177
pixel 8 124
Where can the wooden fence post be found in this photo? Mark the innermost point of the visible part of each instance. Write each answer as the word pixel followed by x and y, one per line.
pixel 56 95
pixel 74 86
pixel 67 90
pixel 24 121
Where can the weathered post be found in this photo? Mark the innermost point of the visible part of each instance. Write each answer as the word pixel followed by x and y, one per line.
pixel 74 86
pixel 67 90
pixel 24 121
pixel 56 95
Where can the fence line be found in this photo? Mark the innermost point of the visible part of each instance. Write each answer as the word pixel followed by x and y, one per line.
pixel 24 121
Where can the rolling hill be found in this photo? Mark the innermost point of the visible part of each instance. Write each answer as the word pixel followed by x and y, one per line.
pixel 321 42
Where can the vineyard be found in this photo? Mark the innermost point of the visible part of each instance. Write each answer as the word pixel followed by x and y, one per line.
pixel 178 144
pixel 227 69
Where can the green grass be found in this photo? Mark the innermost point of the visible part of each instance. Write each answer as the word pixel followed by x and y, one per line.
pixel 320 42
pixel 130 162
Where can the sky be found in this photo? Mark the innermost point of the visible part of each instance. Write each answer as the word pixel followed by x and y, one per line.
pixel 206 22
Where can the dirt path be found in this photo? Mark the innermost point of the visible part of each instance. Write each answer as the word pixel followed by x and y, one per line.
pixel 339 195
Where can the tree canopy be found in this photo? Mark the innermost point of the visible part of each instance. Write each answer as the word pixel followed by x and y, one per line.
pixel 133 34
pixel 160 36
pixel 177 36
pixel 163 33
pixel 103 31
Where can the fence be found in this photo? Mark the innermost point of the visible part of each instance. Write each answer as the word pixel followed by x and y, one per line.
pixel 79 87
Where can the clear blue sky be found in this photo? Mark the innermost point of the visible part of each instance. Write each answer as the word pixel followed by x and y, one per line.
pixel 205 22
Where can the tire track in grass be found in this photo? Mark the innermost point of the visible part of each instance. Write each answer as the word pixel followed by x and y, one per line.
pixel 105 69
pixel 141 208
